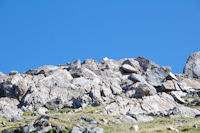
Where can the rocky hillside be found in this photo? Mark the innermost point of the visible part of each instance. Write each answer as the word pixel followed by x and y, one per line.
pixel 92 97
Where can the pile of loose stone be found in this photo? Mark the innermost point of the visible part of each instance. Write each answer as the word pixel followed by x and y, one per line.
pixel 135 89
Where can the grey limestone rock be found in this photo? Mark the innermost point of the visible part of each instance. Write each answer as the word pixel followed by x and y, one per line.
pixel 192 67
pixel 9 109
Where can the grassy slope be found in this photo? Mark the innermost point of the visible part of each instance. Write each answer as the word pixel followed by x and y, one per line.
pixel 62 118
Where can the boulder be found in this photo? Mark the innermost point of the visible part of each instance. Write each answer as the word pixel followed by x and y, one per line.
pixel 157 75
pixel 146 64
pixel 9 110
pixel 115 86
pixel 133 63
pixel 127 119
pixel 76 129
pixel 109 64
pixel 183 111
pixel 45 70
pixel 95 95
pixel 87 129
pixel 97 130
pixel 54 104
pixel 88 73
pixel 158 105
pixel 122 106
pixel 81 101
pixel 87 69
pixel 177 97
pixel 137 78
pixel 141 117
pixel 42 110
pixel 135 128
pixel 14 86
pixel 128 68
pixel 142 90
pixel 36 98
pixel 59 78
pixel 189 83
pixel 192 67
pixel 106 89
pixel 154 74
pixel 168 86
pixel 74 65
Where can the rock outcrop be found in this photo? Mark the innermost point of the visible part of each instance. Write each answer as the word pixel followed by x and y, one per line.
pixel 192 67
pixel 135 89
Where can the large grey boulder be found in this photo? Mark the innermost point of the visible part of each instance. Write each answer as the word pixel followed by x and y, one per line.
pixel 95 93
pixel 187 84
pixel 127 119
pixel 9 110
pixel 87 69
pixel 177 96
pixel 169 85
pixel 132 62
pixel 183 111
pixel 115 86
pixel 14 86
pixel 36 98
pixel 158 105
pixel 137 78
pixel 155 74
pixel 45 70
pixel 192 67
pixel 54 104
pixel 59 78
pixel 141 117
pixel 165 105
pixel 139 90
pixel 106 88
pixel 146 64
pixel 123 106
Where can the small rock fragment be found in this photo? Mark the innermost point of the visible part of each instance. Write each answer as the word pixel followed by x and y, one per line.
pixel 195 126
pixel 12 73
pixel 135 128
pixel 173 129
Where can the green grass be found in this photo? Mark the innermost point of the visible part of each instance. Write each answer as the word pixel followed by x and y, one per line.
pixel 62 118
pixel 159 125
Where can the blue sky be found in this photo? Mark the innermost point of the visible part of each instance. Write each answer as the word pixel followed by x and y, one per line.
pixel 50 32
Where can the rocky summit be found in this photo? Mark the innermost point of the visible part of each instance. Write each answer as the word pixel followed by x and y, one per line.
pixel 128 95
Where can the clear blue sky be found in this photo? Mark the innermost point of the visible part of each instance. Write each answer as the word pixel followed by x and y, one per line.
pixel 43 32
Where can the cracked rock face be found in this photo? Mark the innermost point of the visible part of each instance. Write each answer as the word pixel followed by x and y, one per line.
pixel 133 87
pixel 192 67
